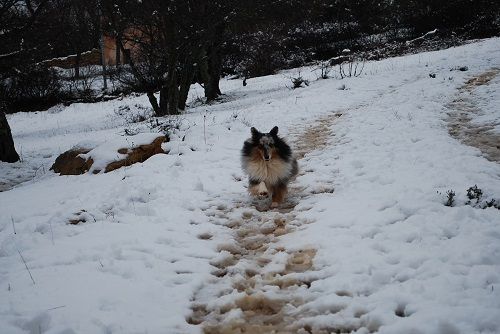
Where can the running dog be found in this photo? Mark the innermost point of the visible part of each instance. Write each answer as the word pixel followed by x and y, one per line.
pixel 270 165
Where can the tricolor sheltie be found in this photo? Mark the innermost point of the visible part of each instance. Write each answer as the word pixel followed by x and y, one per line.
pixel 269 163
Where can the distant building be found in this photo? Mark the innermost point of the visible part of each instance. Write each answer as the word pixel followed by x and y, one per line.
pixel 112 51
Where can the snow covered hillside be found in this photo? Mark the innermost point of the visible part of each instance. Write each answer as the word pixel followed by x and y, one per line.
pixel 363 244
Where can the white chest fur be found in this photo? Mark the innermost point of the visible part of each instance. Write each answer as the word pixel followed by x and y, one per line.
pixel 268 171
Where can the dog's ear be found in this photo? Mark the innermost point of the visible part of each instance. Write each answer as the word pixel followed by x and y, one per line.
pixel 255 132
pixel 274 131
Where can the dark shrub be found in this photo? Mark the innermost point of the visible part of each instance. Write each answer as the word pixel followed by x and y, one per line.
pixel 33 88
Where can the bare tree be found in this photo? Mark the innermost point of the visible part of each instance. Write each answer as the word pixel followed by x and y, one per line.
pixel 16 20
pixel 169 45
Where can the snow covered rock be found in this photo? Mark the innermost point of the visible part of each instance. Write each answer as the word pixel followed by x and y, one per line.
pixel 137 154
pixel 71 163
pixel 110 155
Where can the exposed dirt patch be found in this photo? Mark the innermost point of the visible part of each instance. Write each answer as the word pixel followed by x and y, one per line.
pixel 316 136
pixel 260 283
pixel 464 109
pixel 481 79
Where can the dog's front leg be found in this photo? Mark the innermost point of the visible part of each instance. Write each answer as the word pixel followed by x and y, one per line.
pixel 258 189
pixel 279 192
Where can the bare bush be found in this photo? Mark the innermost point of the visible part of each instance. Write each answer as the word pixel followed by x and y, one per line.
pixel 81 85
pixel 298 81
pixel 134 114
pixel 32 88
pixel 324 68
pixel 171 126
pixel 121 80
pixel 353 67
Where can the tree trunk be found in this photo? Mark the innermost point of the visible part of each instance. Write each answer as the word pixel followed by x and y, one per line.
pixel 215 69
pixel 7 150
pixel 118 52
pixel 210 73
pixel 205 75
pixel 169 92
pixel 169 96
pixel 151 96
pixel 163 108
pixel 187 76
pixel 173 93
pixel 154 102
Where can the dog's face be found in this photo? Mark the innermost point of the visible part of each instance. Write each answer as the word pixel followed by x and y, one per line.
pixel 265 142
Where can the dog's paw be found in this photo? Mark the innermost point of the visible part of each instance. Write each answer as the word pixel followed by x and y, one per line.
pixel 274 205
pixel 263 195
pixel 262 190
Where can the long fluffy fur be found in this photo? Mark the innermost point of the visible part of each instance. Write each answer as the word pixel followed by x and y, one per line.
pixel 276 172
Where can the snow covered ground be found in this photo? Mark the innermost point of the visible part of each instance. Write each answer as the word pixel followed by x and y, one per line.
pixel 364 243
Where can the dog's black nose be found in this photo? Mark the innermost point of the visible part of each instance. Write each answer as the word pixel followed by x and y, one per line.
pixel 266 158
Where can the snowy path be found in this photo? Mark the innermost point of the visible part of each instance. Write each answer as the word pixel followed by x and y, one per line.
pixel 258 285
pixel 466 108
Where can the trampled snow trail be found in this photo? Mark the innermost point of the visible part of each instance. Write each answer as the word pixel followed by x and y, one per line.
pixel 464 108
pixel 257 285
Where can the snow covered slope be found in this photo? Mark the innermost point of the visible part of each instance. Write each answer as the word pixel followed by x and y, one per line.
pixel 364 243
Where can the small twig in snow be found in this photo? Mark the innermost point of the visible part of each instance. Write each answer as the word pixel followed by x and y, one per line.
pixel 36 171
pixel 26 265
pixel 13 226
pixel 51 232
pixel 204 128
pixel 133 205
